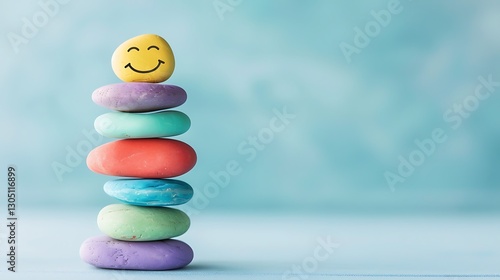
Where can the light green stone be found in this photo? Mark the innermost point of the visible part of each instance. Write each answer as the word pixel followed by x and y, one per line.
pixel 139 223
pixel 135 125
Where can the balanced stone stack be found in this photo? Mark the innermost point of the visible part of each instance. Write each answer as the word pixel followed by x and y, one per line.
pixel 139 230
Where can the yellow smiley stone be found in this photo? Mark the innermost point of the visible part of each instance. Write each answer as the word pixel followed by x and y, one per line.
pixel 145 58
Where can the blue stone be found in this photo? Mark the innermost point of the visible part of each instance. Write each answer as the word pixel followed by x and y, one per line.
pixel 149 192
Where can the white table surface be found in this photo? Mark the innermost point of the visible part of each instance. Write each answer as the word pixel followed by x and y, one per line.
pixel 266 245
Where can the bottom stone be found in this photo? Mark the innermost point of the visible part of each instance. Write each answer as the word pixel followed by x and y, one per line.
pixel 106 252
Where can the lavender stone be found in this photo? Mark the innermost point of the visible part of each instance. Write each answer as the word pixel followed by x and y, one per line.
pixel 139 97
pixel 106 252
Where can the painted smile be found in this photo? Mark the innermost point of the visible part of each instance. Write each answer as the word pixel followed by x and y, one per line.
pixel 160 62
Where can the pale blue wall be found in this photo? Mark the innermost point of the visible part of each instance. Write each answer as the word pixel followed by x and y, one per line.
pixel 352 120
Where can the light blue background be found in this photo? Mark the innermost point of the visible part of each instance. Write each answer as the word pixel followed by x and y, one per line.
pixel 353 120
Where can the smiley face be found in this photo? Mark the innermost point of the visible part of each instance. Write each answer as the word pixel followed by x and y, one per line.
pixel 145 58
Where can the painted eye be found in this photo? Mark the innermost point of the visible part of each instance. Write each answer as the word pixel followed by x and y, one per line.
pixel 133 48
pixel 153 47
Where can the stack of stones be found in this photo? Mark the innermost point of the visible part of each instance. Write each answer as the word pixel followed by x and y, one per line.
pixel 139 230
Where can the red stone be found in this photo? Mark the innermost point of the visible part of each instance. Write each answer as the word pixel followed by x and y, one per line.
pixel 142 158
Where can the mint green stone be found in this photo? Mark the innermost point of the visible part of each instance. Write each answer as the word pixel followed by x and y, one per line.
pixel 139 223
pixel 135 125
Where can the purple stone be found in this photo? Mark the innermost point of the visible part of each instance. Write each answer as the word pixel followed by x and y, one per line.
pixel 139 97
pixel 106 252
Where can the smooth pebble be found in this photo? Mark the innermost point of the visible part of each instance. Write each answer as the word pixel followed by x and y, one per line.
pixel 143 158
pixel 149 192
pixel 133 125
pixel 144 58
pixel 139 223
pixel 139 97
pixel 106 252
